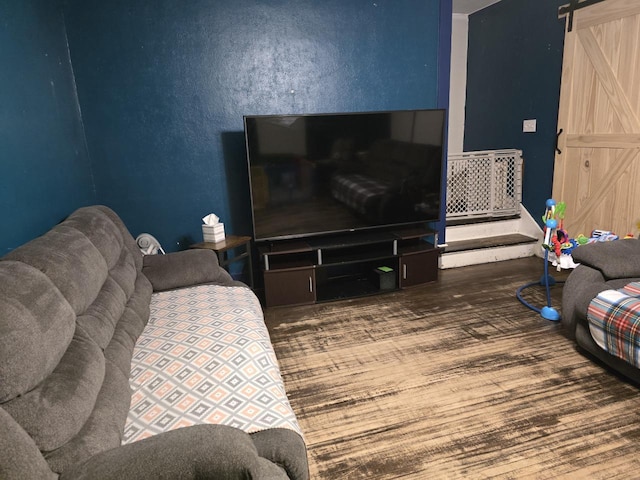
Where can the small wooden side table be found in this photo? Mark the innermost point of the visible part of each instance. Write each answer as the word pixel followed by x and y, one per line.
pixel 231 242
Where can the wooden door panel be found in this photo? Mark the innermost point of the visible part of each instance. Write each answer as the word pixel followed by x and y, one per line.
pixel 603 193
pixel 615 10
pixel 598 172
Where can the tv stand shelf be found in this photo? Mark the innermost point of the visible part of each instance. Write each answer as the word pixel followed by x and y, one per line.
pixel 328 268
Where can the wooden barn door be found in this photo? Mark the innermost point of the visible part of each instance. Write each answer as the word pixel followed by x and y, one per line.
pixel 597 172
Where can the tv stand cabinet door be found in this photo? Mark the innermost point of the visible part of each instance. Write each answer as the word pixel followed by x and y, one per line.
pixel 290 286
pixel 419 268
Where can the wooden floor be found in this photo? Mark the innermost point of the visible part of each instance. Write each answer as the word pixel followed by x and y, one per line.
pixel 455 379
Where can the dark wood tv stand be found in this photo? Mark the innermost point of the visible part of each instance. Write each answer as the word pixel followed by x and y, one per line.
pixel 354 264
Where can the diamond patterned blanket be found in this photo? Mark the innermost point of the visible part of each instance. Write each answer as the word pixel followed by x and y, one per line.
pixel 614 322
pixel 205 357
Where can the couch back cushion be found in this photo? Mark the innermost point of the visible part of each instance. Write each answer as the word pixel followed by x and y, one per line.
pixel 62 297
pixel 36 327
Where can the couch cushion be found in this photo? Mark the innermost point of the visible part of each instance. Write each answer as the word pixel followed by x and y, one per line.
pixel 100 318
pixel 184 269
pixel 72 303
pixel 54 411
pixel 99 321
pixel 206 357
pixel 616 259
pixel 74 265
pixel 36 326
pixel 128 241
pixel 103 430
pixel 125 272
pixel 100 230
pixel 134 318
pixel 19 456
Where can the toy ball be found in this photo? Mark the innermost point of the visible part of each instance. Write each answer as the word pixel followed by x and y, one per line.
pixel 552 223
pixel 582 240
pixel 550 203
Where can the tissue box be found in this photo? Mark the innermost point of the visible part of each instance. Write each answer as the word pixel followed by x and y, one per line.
pixel 213 233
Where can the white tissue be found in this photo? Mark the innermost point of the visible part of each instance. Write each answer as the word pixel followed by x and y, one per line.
pixel 212 228
pixel 210 219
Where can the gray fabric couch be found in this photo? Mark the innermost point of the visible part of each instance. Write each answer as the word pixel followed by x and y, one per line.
pixel 72 304
pixel 603 266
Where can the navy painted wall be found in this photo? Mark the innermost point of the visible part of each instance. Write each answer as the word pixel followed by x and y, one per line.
pixel 164 84
pixel 513 73
pixel 444 87
pixel 45 170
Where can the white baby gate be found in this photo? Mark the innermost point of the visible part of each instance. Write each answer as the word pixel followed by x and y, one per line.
pixel 484 184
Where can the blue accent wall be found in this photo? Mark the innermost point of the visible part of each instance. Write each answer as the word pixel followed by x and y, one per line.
pixel 444 86
pixel 45 168
pixel 164 84
pixel 513 73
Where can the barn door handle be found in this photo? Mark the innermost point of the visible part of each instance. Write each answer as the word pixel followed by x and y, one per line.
pixel 557 139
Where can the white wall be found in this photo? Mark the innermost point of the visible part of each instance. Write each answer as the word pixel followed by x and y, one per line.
pixel 458 88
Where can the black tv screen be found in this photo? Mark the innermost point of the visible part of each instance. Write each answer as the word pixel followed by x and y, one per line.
pixel 327 173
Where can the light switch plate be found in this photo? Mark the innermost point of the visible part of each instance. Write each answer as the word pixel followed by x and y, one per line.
pixel 529 125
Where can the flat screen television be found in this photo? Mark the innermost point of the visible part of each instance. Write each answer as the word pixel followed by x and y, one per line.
pixel 340 172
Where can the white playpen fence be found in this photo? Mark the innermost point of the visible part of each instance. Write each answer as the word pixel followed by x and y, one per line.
pixel 484 184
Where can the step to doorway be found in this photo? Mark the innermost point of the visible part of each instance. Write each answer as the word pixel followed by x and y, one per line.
pixel 453 222
pixel 490 249
pixel 507 238
pixel 489 242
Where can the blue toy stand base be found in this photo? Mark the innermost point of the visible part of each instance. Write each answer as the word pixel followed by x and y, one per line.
pixel 547 312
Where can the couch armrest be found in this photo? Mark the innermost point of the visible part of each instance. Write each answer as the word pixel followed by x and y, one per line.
pixel 283 447
pixel 617 259
pixel 184 269
pixel 582 285
pixel 196 452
